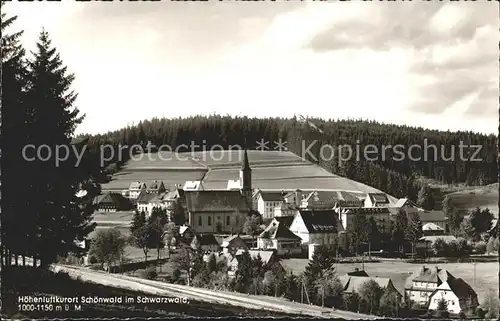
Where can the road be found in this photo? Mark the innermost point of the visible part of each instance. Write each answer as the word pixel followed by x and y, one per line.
pixel 218 297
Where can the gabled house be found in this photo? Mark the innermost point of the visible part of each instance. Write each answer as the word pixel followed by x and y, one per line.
pixel 205 242
pixel 294 198
pixel 436 217
pixel 268 259
pixel 110 202
pixel 377 200
pixel 346 216
pixel 135 189
pixel 156 187
pixel 143 202
pixel 316 227
pixel 186 232
pixel 278 237
pixel 232 244
pixel 267 202
pixel 329 200
pixel 405 203
pixel 431 229
pixel 286 221
pixel 285 209
pixel 193 186
pixel 354 283
pixel 216 211
pixel 421 284
pixel 457 293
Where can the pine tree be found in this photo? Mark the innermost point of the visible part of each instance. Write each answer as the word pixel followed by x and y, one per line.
pixel 61 217
pixel 399 227
pixel 359 233
pixel 453 218
pixel 414 231
pixel 426 198
pixel 14 232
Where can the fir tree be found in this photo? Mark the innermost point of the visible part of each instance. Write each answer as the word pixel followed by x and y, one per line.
pixel 414 231
pixel 398 228
pixel 426 198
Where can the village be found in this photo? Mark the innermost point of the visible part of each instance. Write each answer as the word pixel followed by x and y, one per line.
pixel 237 226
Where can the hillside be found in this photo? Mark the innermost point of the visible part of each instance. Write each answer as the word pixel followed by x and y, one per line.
pixel 394 176
pixel 271 170
pixel 472 197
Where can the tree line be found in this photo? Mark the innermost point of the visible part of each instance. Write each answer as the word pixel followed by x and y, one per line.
pixel 43 214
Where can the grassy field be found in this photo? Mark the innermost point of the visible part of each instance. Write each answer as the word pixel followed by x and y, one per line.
pixel 486 273
pixel 235 157
pixel 482 196
pixel 118 217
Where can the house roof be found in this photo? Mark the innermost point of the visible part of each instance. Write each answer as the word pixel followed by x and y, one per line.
pixel 285 220
pixel 366 210
pixel 378 198
pixel 434 238
pixel 432 216
pixel 458 286
pixel 230 239
pixel 330 197
pixel 107 198
pixel 429 274
pixel 265 256
pixel 205 239
pixel 432 227
pixel 145 197
pixel 136 185
pixel 320 221
pixel 276 230
pixel 210 201
pixel 355 283
pixel 271 196
pixel 184 228
pixel 154 185
pixel 358 273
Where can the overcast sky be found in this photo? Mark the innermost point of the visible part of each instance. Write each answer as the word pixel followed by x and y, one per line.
pixel 433 65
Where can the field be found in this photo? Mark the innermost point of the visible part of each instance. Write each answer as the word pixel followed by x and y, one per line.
pixel 470 198
pixel 486 273
pixel 271 170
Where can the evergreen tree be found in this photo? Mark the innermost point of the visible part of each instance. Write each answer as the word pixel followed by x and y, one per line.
pixel 398 229
pixel 373 233
pixel 61 217
pixel 426 198
pixel 453 218
pixel 157 220
pixel 414 231
pixel 359 233
pixel 15 232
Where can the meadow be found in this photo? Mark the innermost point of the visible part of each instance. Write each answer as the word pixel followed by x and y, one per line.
pixel 470 198
pixel 486 274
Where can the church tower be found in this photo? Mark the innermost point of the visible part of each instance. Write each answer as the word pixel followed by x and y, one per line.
pixel 246 179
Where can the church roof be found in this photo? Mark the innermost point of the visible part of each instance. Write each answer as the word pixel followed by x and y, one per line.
pixel 210 201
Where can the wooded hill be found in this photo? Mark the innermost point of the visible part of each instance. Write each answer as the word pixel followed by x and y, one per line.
pixel 393 173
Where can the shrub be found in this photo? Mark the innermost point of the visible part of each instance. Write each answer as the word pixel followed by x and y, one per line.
pixel 480 313
pixel 480 247
pixel 149 273
pixel 92 259
pixel 176 274
pixel 462 315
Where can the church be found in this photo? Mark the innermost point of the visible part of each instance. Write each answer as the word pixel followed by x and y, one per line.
pixel 221 211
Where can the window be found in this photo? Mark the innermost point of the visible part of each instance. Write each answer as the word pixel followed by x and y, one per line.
pixel 228 220
pixel 199 221
pixel 209 221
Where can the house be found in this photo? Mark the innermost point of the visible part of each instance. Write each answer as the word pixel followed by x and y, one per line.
pixel 156 187
pixel 135 189
pixel 347 215
pixel 284 209
pixel 294 198
pixel 437 217
pixel 329 200
pixel 278 237
pixel 216 211
pixel 193 186
pixel 267 201
pixel 354 283
pixel 186 232
pixel 426 243
pixel 268 259
pixel 316 227
pixel 143 202
pixel 405 203
pixel 232 244
pixel 421 284
pixel 377 200
pixel 110 202
pixel 285 220
pixel 205 242
pixel 459 296
pixel 357 272
pixel 431 229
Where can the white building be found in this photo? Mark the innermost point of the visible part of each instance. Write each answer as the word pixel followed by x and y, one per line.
pixel 316 227
pixel 377 200
pixel 193 186
pixel 267 202
pixel 277 236
pixel 135 189
pixel 458 295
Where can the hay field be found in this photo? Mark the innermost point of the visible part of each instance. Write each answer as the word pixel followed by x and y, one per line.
pixel 229 158
pixel 398 271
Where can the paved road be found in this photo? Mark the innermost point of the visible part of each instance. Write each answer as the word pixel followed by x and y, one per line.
pixel 219 297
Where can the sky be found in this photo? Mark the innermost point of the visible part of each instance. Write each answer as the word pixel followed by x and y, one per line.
pixel 428 64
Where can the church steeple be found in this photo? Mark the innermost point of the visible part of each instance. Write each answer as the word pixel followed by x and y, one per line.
pixel 246 178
